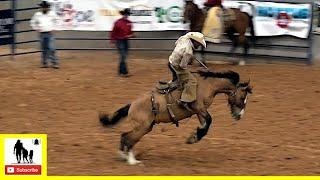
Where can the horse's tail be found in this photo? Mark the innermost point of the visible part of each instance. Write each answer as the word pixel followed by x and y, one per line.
pixel 109 121
pixel 252 32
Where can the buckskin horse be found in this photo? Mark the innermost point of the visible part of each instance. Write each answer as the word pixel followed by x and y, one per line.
pixel 237 22
pixel 152 108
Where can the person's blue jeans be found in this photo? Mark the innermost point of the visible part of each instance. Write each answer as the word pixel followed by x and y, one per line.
pixel 123 48
pixel 48 49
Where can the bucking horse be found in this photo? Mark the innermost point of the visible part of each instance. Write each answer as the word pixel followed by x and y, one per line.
pixel 161 106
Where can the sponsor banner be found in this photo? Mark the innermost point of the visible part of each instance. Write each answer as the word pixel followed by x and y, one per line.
pixel 99 15
pixel 274 19
pixel 270 19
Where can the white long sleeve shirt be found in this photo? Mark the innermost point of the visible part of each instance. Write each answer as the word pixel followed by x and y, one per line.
pixel 43 22
pixel 182 54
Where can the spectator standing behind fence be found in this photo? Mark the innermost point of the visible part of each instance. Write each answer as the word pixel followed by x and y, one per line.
pixel 121 32
pixel 44 22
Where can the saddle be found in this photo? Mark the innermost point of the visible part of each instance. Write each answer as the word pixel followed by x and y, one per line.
pixel 228 15
pixel 166 88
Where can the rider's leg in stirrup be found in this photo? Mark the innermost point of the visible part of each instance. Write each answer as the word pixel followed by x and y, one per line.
pixel 174 74
pixel 189 93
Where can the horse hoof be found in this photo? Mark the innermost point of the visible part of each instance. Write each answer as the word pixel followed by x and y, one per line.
pixel 192 139
pixel 134 162
pixel 123 155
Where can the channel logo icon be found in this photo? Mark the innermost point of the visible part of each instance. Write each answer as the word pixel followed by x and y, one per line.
pixel 23 156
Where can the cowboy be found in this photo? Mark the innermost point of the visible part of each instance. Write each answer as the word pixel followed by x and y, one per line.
pixel 213 25
pixel 181 56
pixel 121 32
pixel 44 23
pixel 213 3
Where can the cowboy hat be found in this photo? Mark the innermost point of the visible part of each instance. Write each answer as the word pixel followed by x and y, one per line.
pixel 125 11
pixel 199 37
pixel 212 3
pixel 44 4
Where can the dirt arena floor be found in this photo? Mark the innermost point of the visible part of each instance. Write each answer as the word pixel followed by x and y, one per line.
pixel 279 134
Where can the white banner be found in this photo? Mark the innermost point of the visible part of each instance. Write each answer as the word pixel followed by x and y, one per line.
pixel 270 19
pixel 273 19
pixel 99 15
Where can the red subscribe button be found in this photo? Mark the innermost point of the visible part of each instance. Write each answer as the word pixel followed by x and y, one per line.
pixel 23 169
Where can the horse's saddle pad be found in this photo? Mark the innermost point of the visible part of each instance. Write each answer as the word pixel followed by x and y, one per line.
pixel 228 15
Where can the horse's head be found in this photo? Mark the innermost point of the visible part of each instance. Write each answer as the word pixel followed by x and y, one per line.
pixel 238 99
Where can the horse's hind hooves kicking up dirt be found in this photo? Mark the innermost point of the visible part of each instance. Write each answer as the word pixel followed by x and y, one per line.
pixel 130 158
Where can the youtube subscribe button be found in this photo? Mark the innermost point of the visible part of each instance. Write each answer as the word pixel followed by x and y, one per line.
pixel 23 169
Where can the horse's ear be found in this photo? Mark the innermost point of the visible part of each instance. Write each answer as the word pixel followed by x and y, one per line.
pixel 249 89
pixel 244 84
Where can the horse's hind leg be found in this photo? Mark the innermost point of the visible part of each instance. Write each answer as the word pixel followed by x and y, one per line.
pixel 234 41
pixel 205 121
pixel 246 47
pixel 129 139
pixel 245 43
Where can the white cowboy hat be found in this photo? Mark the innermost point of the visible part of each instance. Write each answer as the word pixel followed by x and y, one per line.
pixel 199 37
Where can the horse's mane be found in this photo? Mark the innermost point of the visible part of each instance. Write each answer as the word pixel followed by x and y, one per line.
pixel 196 8
pixel 231 75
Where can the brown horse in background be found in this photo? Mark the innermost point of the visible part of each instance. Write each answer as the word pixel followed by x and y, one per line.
pixel 196 17
pixel 140 112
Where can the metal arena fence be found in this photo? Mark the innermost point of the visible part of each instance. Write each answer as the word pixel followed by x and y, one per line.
pixel 275 48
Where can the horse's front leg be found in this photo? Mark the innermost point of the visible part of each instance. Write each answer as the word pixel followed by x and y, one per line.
pixel 205 122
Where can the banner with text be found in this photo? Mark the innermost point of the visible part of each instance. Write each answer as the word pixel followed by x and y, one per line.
pixel 270 19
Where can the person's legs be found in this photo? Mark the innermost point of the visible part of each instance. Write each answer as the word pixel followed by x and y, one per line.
pixel 44 49
pixel 18 155
pixel 189 93
pixel 52 51
pixel 123 50
pixel 126 51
